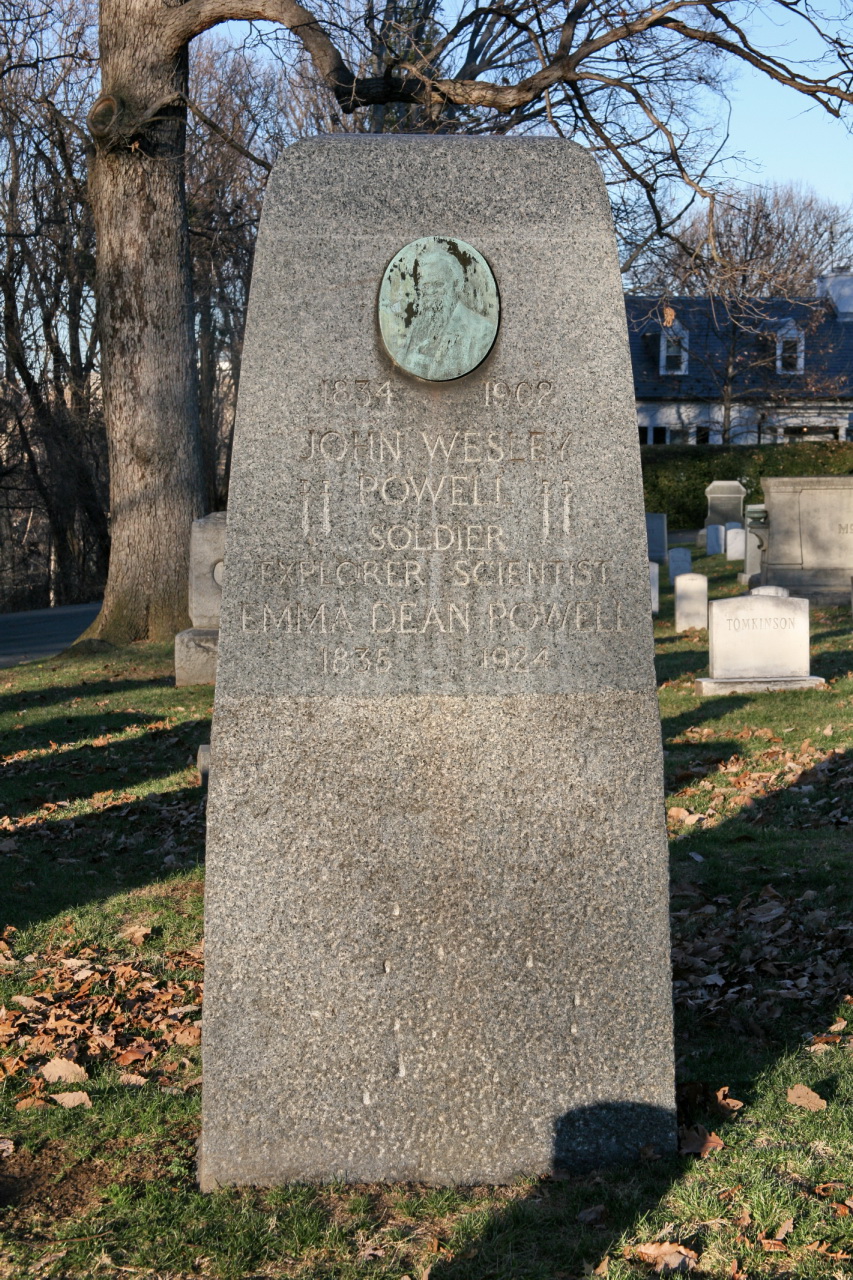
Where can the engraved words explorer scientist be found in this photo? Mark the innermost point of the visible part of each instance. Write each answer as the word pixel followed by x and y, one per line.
pixel 443 511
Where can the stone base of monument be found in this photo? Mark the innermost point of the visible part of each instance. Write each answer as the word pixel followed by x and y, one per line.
pixel 195 656
pixel 749 579
pixel 202 762
pixel 705 687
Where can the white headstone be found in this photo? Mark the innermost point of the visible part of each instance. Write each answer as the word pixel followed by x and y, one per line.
pixel 735 544
pixel 680 561
pixel 691 601
pixel 758 643
pixel 770 591
pixel 654 583
pixel 656 535
pixel 716 539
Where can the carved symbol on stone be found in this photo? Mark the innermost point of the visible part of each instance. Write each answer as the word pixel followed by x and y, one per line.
pixel 439 308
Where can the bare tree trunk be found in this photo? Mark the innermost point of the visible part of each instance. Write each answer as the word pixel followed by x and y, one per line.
pixel 145 317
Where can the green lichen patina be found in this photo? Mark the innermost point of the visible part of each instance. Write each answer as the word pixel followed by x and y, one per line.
pixel 439 308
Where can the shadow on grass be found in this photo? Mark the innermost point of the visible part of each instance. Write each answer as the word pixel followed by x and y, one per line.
pixel 63 863
pixel 83 771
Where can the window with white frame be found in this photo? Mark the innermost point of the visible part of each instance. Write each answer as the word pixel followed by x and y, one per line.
pixel 674 349
pixel 790 348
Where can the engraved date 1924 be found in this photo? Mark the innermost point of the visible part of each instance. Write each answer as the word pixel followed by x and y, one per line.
pixel 517 658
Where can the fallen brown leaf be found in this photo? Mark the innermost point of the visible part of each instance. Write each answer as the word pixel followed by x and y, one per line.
pixel 592 1215
pixel 63 1071
pixel 601 1270
pixel 828 1188
pixel 699 1142
pixel 801 1096
pixel 839 1024
pixel 677 815
pixel 130 1078
pixel 786 1228
pixel 135 934
pixel 70 1100
pixel 136 1054
pixel 187 1035
pixel 667 1258
pixel 725 1103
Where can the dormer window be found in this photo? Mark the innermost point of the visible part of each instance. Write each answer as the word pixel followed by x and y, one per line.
pixel 790 348
pixel 674 349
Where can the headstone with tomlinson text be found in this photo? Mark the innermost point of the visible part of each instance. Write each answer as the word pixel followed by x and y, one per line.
pixel 436 800
pixel 758 643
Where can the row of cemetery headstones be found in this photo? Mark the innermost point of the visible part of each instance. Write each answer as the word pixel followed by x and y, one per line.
pixel 800 537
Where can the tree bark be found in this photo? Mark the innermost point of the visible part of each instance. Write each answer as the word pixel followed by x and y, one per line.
pixel 145 316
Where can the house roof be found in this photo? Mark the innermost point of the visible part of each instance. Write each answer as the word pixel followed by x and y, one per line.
pixel 828 349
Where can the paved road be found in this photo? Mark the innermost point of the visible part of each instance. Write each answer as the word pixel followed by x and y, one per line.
pixel 41 633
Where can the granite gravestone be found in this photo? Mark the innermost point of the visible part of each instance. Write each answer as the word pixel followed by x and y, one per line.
pixel 725 502
pixel 656 534
pixel 691 601
pixel 758 643
pixel 715 539
pixel 196 648
pixel 436 806
pixel 809 535
pixel 680 561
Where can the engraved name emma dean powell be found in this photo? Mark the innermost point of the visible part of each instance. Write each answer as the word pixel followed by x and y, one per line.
pixel 438 308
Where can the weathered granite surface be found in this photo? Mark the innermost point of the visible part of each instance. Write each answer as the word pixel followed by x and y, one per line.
pixel 436 917
pixel 809 536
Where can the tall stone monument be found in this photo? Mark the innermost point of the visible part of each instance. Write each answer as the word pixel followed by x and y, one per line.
pixel 436 808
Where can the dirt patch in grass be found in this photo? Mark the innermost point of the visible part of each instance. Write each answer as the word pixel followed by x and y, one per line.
pixel 40 1180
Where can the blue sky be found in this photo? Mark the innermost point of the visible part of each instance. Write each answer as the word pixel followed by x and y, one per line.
pixel 788 140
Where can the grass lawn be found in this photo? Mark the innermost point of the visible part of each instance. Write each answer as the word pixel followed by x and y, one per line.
pixel 101 845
